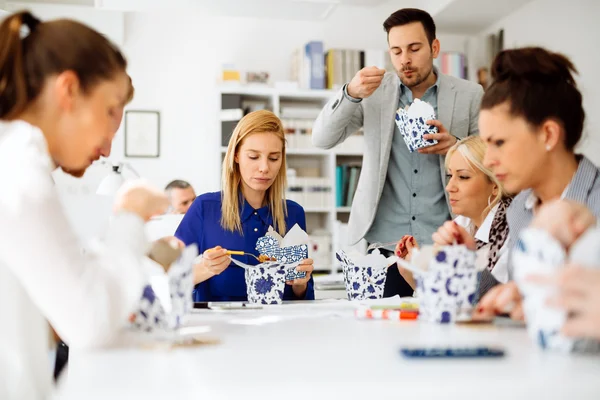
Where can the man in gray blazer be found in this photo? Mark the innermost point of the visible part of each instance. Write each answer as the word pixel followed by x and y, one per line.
pixel 399 192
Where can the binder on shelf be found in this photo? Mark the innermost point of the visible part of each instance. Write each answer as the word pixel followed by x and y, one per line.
pixel 339 192
pixel 352 182
pixel 346 182
pixel 453 64
pixel 342 64
pixel 313 51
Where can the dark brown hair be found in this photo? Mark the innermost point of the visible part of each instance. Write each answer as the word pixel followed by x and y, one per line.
pixel 409 15
pixel 50 48
pixel 538 85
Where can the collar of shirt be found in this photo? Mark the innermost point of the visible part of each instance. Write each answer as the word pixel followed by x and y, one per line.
pixel 533 200
pixel 483 233
pixel 577 189
pixel 248 211
pixel 404 90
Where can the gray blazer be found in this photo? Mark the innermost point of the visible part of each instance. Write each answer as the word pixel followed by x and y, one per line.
pixel 458 110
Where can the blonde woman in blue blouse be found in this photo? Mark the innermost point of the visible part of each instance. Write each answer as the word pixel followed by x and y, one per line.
pixel 252 200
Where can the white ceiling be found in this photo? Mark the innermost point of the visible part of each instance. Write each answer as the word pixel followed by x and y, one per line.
pixel 60 2
pixel 361 3
pixel 457 16
pixel 473 16
pixel 277 9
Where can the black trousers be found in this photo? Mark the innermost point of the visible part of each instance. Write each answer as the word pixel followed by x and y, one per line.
pixel 62 357
pixel 395 284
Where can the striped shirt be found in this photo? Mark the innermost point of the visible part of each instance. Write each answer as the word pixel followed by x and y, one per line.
pixel 584 188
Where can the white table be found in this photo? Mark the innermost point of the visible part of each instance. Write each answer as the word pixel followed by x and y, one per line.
pixel 320 351
pixel 330 294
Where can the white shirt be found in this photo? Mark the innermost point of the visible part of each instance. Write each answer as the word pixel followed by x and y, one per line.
pixel 500 271
pixel 45 276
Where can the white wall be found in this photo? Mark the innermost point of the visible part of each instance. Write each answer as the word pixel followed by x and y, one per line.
pixel 109 23
pixel 572 29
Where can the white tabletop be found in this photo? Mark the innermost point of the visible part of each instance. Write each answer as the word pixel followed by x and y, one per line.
pixel 320 351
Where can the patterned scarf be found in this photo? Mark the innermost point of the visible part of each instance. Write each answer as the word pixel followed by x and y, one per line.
pixel 498 234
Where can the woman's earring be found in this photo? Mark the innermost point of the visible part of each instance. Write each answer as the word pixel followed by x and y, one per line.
pixel 548 147
pixel 490 200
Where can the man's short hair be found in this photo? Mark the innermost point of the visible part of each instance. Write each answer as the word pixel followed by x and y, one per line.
pixel 407 16
pixel 177 184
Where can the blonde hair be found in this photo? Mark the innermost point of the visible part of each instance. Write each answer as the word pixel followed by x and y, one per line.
pixel 473 150
pixel 256 122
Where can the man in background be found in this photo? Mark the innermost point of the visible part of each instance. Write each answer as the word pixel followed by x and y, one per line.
pixel 181 195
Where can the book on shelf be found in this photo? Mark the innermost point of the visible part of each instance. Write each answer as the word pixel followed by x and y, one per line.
pixel 453 64
pixel 314 53
pixel 298 133
pixel 346 180
pixel 352 182
pixel 309 192
pixel 342 64
pixel 307 66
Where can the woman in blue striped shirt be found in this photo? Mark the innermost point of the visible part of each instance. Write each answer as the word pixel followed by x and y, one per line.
pixel 252 200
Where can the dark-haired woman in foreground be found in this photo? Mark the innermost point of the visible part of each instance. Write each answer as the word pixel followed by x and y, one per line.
pixel 532 118
pixel 62 90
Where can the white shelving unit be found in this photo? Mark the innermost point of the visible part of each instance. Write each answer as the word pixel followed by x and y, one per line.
pixel 319 217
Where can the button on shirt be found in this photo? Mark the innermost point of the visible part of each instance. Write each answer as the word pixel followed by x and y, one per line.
pixel 413 200
pixel 202 226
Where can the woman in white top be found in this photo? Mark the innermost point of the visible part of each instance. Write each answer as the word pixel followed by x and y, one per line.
pixel 61 86
pixel 480 203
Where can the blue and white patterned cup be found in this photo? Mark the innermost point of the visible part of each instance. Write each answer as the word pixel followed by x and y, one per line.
pixel 181 285
pixel 448 291
pixel 362 282
pixel 265 283
pixel 150 315
pixel 537 252
pixel 412 127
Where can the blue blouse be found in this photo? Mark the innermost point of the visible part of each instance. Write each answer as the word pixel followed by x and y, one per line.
pixel 202 225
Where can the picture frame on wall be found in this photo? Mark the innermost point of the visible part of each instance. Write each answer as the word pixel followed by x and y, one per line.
pixel 142 134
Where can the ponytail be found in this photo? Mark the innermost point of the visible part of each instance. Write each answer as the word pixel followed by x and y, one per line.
pixel 13 79
pixel 31 51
